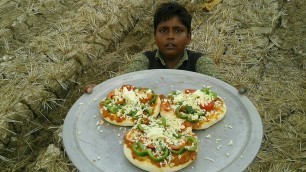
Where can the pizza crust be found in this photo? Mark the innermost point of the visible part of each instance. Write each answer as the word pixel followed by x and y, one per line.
pixel 148 166
pixel 156 108
pixel 126 122
pixel 201 124
pixel 214 120
pixel 129 121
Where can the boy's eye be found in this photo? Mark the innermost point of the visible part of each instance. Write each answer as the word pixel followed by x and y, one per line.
pixel 178 30
pixel 163 30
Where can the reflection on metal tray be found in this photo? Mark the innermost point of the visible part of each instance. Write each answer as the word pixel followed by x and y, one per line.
pixel 229 145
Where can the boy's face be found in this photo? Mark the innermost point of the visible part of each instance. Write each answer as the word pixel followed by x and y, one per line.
pixel 171 38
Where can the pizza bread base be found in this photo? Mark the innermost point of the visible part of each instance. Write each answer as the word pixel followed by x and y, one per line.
pixel 204 125
pixel 148 166
pixel 130 122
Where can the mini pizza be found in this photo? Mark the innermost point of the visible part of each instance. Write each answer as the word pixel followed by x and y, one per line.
pixel 199 108
pixel 160 144
pixel 124 105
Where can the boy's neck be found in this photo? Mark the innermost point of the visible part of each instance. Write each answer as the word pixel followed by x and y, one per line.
pixel 173 61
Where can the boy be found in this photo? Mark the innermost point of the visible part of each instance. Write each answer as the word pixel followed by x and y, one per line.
pixel 172 31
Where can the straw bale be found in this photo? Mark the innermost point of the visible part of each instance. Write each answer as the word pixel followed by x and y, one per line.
pixel 230 38
pixel 17 125
pixel 51 160
pixel 14 115
pixel 58 136
pixel 5 133
pixel 37 98
pixel 283 144
pixel 256 31
pixel 48 59
pixel 52 49
pixel 60 76
pixel 19 115
pixel 5 37
pixel 8 10
pixel 141 37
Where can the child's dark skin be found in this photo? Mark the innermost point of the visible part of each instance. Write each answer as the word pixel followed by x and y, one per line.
pixel 172 33
pixel 171 38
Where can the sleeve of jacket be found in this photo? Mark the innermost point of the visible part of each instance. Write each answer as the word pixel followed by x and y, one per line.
pixel 137 63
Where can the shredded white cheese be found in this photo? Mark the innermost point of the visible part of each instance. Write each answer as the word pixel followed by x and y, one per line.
pixel 155 134
pixel 218 140
pixel 209 159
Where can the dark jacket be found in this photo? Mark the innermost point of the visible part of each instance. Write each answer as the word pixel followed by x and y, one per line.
pixel 189 65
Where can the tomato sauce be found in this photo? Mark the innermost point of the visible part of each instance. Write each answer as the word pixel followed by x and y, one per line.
pixel 113 117
pixel 177 159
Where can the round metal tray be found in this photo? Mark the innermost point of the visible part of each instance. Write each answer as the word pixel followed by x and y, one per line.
pixel 229 145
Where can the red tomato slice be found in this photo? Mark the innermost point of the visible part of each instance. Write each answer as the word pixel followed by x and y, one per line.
pixel 188 91
pixel 176 147
pixel 209 106
pixel 130 136
pixel 111 94
pixel 166 106
pixel 148 98
pixel 128 87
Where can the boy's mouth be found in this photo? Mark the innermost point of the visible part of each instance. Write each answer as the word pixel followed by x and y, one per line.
pixel 170 46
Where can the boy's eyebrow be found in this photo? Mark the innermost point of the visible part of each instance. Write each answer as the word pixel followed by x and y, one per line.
pixel 173 27
pixel 166 26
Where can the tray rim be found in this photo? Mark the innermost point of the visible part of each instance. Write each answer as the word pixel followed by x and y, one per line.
pixel 73 151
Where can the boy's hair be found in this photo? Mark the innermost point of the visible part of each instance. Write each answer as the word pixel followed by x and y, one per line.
pixel 167 11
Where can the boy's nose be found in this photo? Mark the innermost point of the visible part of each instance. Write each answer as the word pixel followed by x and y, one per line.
pixel 170 35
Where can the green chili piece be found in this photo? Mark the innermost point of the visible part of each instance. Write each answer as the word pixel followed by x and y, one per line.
pixel 132 113
pixel 107 101
pixel 180 151
pixel 190 110
pixel 205 90
pixel 164 156
pixel 113 109
pixel 201 113
pixel 140 127
pixel 189 118
pixel 147 111
pixel 213 95
pixel 173 93
pixel 139 149
pixel 163 121
pixel 136 116
pixel 179 114
pixel 153 99
pixel 177 135
pixel 195 144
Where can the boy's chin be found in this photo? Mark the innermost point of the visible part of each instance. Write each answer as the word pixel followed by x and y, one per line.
pixel 171 55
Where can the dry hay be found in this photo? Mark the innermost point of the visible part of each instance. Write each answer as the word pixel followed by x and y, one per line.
pixel 51 49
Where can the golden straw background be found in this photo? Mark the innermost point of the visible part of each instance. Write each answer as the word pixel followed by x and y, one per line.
pixel 51 49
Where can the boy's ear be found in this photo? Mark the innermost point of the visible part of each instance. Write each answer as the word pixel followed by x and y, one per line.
pixel 189 38
pixel 155 37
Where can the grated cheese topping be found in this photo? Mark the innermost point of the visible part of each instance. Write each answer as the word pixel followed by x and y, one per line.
pixel 196 99
pixel 127 102
pixel 155 134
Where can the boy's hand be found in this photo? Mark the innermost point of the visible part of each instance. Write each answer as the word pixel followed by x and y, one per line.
pixel 88 88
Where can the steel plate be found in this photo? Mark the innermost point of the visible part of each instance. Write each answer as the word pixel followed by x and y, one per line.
pixel 229 145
